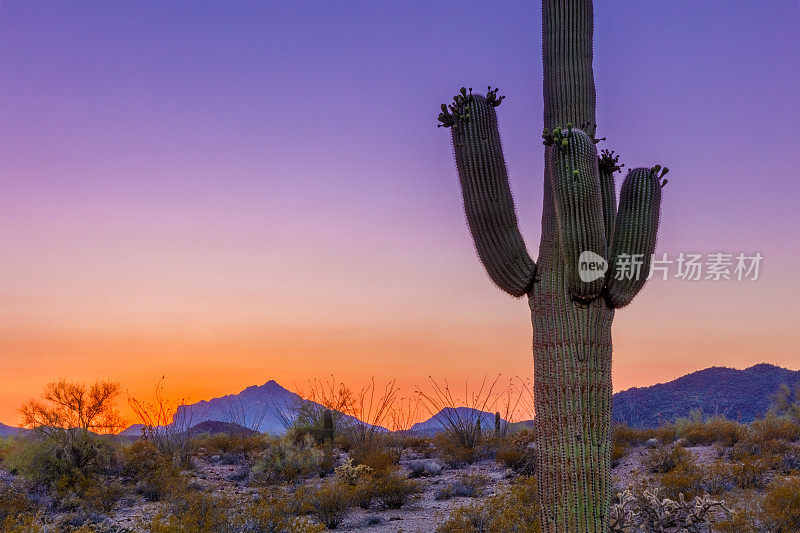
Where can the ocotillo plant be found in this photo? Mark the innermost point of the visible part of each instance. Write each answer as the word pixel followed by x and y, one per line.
pixel 572 299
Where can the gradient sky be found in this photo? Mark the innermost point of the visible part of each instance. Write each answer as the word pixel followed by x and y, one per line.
pixel 226 193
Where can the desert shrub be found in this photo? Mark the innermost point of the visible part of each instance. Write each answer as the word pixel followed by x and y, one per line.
pixel 739 520
pixel 155 475
pixel 774 428
pixel 618 451
pixel 377 457
pixel 166 425
pixel 66 461
pixel 513 509
pixel 624 434
pixel 421 468
pixel 331 502
pixel 517 451
pixel 420 445
pixel 780 509
pixel 717 478
pixel 750 473
pixel 223 443
pixel 16 509
pixel 393 490
pixel 22 523
pixel 715 429
pixel 666 433
pixel 790 462
pixel 464 486
pixel 665 459
pixel 273 513
pixel 685 479
pixel 191 511
pixel 352 474
pixel 452 453
pixel 285 460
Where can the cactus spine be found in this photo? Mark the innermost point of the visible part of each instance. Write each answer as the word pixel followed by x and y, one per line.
pixel 571 315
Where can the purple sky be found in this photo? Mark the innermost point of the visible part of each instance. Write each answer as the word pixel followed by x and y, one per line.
pixel 265 169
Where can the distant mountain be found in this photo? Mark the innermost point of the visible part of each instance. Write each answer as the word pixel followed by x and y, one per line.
pixel 741 395
pixel 265 408
pixel 438 422
pixel 8 431
pixel 134 430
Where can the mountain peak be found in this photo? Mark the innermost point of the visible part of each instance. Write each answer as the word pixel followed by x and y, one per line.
pixel 741 395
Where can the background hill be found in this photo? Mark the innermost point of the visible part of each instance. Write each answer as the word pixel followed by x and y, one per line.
pixel 439 421
pixel 741 395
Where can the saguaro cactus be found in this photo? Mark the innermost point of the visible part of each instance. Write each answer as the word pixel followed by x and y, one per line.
pixel 572 306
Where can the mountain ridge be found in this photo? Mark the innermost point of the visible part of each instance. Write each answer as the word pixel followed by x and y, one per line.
pixel 741 395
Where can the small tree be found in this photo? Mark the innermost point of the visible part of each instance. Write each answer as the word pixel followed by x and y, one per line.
pixel 66 450
pixel 71 406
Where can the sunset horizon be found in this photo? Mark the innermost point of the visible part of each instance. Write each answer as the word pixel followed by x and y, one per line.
pixel 179 199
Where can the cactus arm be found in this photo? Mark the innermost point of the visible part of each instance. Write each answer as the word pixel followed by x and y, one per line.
pixel 608 164
pixel 635 234
pixel 575 183
pixel 488 203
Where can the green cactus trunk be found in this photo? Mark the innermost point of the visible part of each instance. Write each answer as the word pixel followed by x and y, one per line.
pixel 571 311
pixel 571 343
pixel 572 396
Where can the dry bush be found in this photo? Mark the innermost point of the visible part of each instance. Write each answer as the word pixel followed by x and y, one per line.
pixel 422 468
pixel 223 443
pixel 665 459
pixel 155 475
pixel 517 451
pixel 666 433
pixel 405 412
pixel 65 462
pixel 420 445
pixel 771 428
pixel 331 502
pixel 369 411
pixel 309 413
pixel 461 425
pixel 285 460
pixel 192 511
pixel 379 458
pixel 17 511
pixel 451 452
pixel 780 510
pixel 166 425
pixel 628 436
pixel 273 513
pixel 393 490
pixel 618 451
pixel 514 509
pixel 713 430
pixel 464 486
